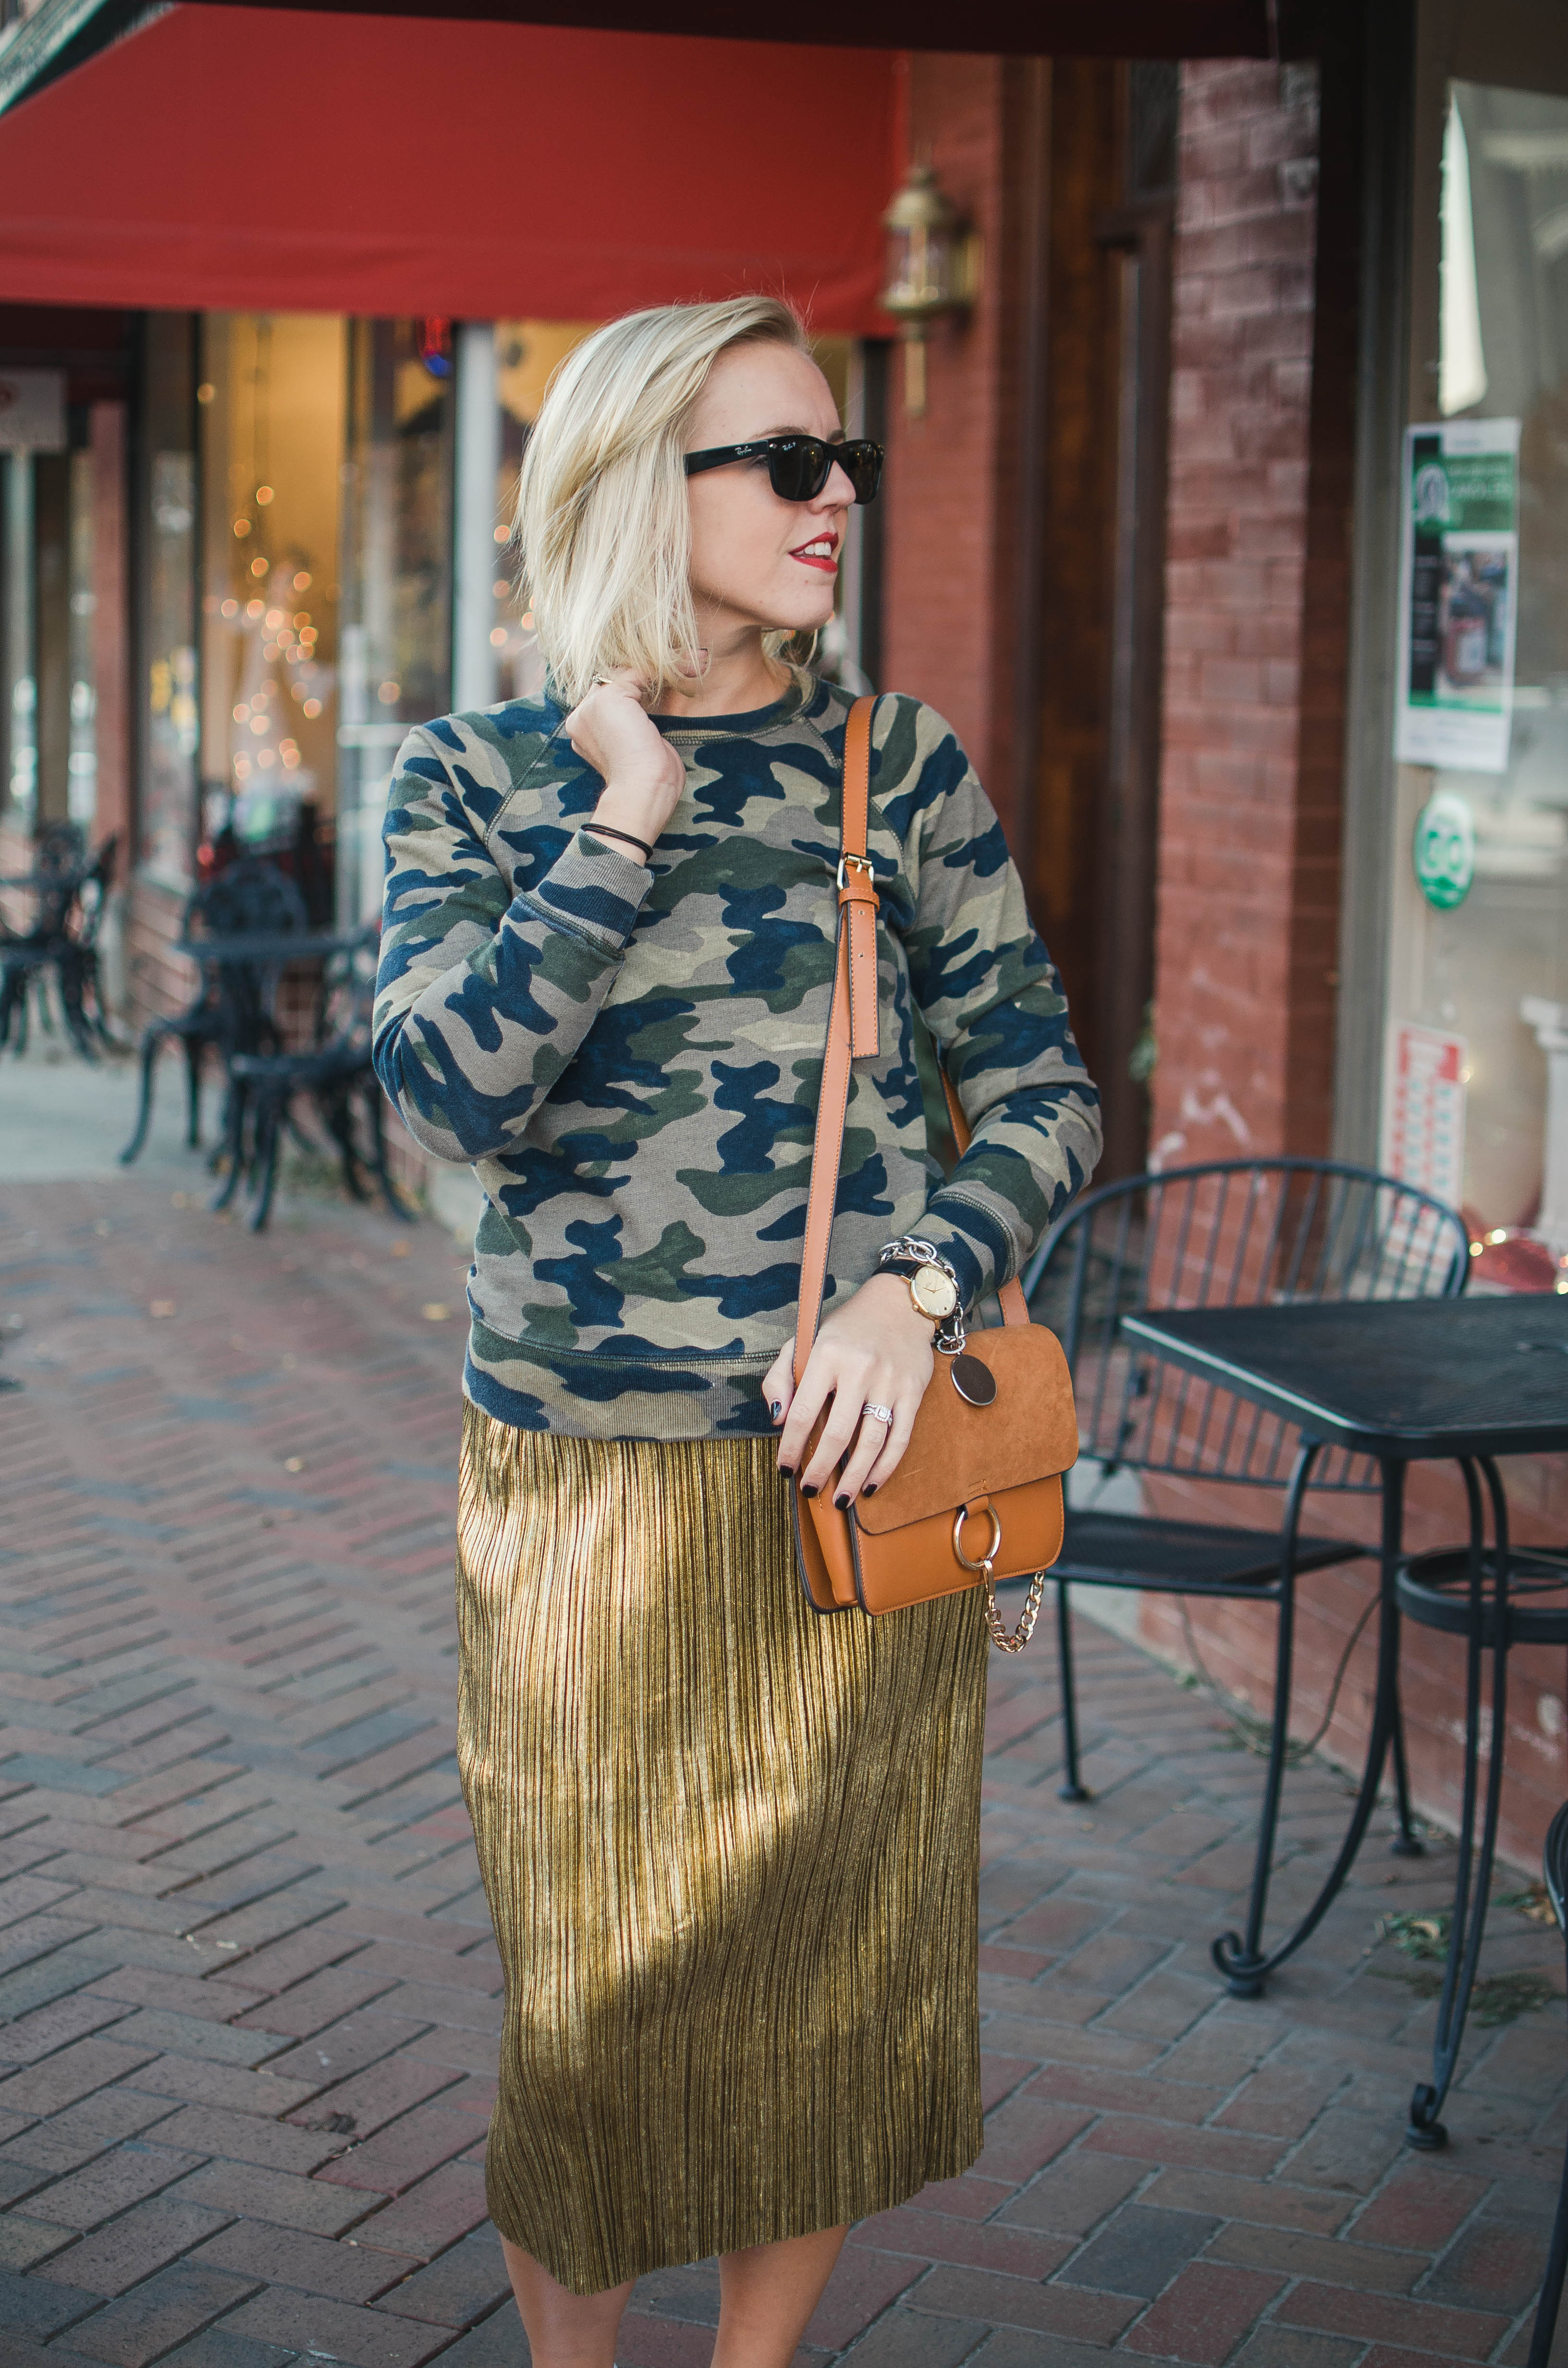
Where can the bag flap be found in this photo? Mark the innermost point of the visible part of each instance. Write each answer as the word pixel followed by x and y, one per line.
pixel 960 1452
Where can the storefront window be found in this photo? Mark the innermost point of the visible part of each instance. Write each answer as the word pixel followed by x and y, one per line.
pixel 167 836
pixel 1482 917
pixel 396 633
pixel 271 400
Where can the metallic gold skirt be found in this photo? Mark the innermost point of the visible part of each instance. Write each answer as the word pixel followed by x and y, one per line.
pixel 730 1850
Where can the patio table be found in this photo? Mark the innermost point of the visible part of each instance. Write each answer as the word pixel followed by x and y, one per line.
pixel 1404 1381
pixel 270 946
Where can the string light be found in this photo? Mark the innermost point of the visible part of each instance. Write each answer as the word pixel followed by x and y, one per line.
pixel 313 707
pixel 258 567
pixel 264 494
pixel 242 526
pixel 390 693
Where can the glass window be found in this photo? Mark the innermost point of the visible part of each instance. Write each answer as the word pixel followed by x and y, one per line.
pixel 271 400
pixel 1492 969
pixel 167 828
pixel 395 646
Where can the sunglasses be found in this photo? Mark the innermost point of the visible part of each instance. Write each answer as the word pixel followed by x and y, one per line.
pixel 800 466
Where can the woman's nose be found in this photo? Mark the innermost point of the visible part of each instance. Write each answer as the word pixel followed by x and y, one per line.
pixel 838 493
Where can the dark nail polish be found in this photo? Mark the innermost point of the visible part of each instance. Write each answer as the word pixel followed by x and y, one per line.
pixel 842 1503
pixel 869 1490
pixel 777 1409
pixel 788 1470
pixel 807 1490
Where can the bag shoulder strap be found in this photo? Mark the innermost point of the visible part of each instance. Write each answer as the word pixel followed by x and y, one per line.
pixel 852 1035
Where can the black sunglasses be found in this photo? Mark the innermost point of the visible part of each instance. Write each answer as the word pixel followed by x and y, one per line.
pixel 800 466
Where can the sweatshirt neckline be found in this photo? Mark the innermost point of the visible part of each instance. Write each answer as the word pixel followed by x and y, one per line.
pixel 757 720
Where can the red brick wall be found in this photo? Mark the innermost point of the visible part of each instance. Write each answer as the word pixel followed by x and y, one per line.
pixel 1233 870
pixel 949 474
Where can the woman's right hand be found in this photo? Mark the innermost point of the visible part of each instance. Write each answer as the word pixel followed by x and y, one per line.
pixel 643 777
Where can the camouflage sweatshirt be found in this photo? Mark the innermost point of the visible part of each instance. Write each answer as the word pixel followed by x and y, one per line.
pixel 630 1057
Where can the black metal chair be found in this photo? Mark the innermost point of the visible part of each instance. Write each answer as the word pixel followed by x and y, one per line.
pixel 1495 1599
pixel 334 1072
pixel 1554 1870
pixel 1241 1232
pixel 232 1010
pixel 72 893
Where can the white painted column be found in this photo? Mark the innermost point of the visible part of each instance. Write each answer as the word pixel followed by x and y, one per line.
pixel 1550 1021
pixel 474 547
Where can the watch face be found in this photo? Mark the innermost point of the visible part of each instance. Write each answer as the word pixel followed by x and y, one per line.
pixel 934 1292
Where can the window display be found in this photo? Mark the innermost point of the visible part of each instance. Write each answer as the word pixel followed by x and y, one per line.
pixel 271 401
pixel 1481 923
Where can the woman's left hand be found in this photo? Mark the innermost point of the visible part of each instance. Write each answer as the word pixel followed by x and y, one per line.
pixel 875 1351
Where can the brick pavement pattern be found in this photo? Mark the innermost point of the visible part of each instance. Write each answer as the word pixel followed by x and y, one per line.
pixel 249 1995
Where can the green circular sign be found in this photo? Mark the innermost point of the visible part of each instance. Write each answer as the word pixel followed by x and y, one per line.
pixel 1443 850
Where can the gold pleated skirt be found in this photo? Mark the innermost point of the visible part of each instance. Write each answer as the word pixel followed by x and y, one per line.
pixel 730 1850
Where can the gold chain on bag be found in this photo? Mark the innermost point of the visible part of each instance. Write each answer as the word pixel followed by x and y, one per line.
pixel 1027 1617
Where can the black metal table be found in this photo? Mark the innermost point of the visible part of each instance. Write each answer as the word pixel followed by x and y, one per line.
pixel 271 947
pixel 1419 1381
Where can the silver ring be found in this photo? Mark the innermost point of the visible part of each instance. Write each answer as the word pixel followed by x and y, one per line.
pixel 882 1414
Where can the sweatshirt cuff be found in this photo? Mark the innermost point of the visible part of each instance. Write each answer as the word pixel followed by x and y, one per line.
pixel 592 892
pixel 975 1245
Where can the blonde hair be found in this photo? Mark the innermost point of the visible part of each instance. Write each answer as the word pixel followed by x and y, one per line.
pixel 602 522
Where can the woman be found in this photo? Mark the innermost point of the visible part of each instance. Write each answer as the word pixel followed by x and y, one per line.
pixel 730 1847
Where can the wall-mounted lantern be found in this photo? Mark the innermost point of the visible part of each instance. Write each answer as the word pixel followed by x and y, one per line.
pixel 931 261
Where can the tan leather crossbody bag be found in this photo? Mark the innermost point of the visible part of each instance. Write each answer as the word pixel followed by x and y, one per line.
pixel 977 1497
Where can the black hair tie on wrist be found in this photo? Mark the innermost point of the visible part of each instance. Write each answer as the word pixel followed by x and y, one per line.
pixel 603 830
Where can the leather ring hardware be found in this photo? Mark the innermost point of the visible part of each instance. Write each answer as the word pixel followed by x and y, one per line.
pixel 987 1558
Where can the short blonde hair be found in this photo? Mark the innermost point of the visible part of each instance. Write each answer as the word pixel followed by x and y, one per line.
pixel 602 524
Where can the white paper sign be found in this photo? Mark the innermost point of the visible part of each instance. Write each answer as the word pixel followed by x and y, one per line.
pixel 1459 595
pixel 32 411
pixel 1424 1110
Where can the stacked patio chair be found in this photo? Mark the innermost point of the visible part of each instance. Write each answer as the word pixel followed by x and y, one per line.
pixel 333 1073
pixel 233 1012
pixel 1239 1234
pixel 62 941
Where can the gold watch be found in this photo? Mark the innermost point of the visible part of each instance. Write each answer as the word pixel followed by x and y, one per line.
pixel 935 1294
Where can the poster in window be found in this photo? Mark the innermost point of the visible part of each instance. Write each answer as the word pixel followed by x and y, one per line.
pixel 1423 1111
pixel 1459 595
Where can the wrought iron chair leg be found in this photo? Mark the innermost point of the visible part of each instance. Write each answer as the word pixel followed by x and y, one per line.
pixel 1551 2301
pixel 338 1119
pixel 193 1093
pixel 373 1111
pixel 152 1044
pixel 1468 1927
pixel 1407 1842
pixel 268 1138
pixel 1242 1962
pixel 1071 1787
pixel 234 1143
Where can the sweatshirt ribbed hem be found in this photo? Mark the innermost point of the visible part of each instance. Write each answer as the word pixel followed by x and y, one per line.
pixel 601 1396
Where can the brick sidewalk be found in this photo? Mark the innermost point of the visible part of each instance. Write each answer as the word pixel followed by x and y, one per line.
pixel 249 1994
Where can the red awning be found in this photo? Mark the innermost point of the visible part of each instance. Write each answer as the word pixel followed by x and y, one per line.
pixel 245 159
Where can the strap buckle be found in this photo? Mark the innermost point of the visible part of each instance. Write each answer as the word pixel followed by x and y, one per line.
pixel 856 863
